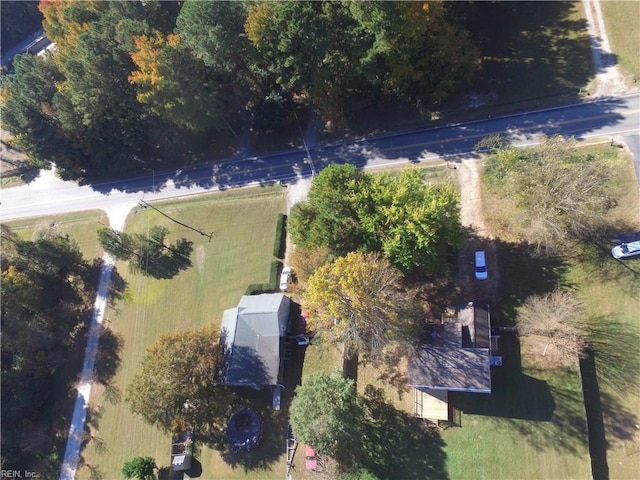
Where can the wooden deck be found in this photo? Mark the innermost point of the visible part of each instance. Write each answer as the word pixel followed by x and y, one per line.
pixel 432 404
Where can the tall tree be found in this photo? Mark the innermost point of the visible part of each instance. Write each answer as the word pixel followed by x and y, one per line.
pixel 358 301
pixel 329 218
pixel 411 223
pixel 175 385
pixel 313 49
pixel 414 49
pixel 214 34
pixel 28 113
pixel 95 104
pixel 45 306
pixel 203 103
pixel 555 318
pixel 325 414
pixel 559 193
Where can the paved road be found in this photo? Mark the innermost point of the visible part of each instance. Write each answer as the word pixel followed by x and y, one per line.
pixel 609 117
pixel 31 41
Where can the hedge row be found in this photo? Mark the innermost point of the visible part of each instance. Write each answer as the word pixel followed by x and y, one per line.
pixel 271 286
pixel 281 236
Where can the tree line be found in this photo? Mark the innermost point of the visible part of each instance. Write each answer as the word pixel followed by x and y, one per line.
pixel 48 290
pixel 135 85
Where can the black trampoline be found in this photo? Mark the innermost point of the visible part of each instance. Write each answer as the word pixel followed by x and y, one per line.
pixel 244 430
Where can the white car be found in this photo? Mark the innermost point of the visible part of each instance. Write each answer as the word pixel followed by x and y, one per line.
pixel 284 278
pixel 481 265
pixel 626 250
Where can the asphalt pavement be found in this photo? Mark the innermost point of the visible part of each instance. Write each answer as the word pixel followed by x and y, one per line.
pixel 606 118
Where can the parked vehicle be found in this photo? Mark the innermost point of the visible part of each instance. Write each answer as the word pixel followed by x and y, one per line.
pixel 284 278
pixel 481 265
pixel 626 250
pixel 311 458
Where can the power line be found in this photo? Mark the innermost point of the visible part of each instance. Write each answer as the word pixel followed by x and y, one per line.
pixel 144 204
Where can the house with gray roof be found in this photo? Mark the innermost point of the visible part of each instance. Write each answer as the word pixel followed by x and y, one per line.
pixel 253 339
pixel 454 355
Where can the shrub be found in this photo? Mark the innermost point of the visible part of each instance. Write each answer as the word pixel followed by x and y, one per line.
pixel 281 235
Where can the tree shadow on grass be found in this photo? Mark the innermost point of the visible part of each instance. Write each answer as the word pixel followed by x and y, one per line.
pixel 107 363
pixel 615 347
pixel 539 51
pixel 397 445
pixel 548 414
pixel 522 274
pixel 595 255
pixel 272 442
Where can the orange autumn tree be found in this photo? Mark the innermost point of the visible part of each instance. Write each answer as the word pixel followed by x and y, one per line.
pixel 176 85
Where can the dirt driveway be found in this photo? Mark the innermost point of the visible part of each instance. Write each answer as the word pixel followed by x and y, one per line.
pixel 469 170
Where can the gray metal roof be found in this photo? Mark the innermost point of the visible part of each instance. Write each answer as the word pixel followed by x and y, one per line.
pixel 251 335
pixel 460 361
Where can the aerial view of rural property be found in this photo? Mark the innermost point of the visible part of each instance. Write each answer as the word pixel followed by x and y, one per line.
pixel 320 240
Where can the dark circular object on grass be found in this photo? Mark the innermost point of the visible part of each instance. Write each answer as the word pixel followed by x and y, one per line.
pixel 244 430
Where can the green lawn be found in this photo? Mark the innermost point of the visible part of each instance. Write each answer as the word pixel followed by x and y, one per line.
pixel 239 254
pixel 621 21
pixel 609 290
pixel 81 227
pixel 530 427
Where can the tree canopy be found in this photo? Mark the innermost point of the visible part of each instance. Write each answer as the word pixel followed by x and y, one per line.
pixel 132 83
pixel 324 413
pixel 408 222
pixel 556 318
pixel 357 300
pixel 176 384
pixel 48 290
pixel 142 468
pixel 559 192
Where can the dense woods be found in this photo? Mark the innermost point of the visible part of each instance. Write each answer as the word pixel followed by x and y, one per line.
pixel 134 85
pixel 48 291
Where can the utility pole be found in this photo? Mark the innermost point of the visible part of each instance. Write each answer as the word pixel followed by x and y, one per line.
pixel 144 204
pixel 306 148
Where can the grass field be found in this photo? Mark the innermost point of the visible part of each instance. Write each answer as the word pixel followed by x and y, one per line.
pixel 609 290
pixel 623 29
pixel 240 253
pixel 531 427
pixel 81 227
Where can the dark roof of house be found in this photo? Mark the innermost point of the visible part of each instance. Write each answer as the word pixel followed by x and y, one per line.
pixel 251 337
pixel 459 361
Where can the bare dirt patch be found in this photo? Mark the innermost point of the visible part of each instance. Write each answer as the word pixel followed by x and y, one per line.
pixel 478 236
pixel 200 257
pixel 470 198
pixel 609 80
